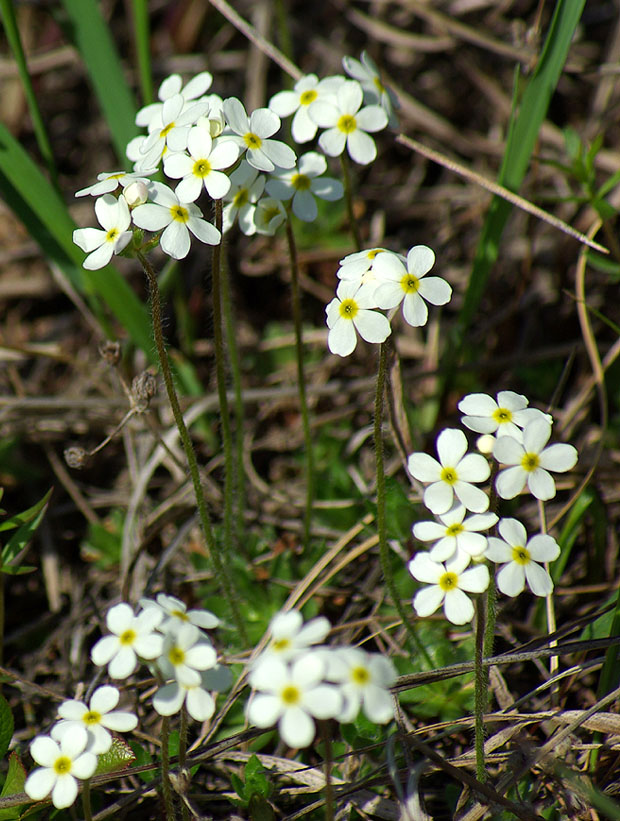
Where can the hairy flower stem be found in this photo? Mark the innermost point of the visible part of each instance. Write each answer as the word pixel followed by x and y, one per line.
pixel 183 736
pixel 329 789
pixel 235 369
pixel 481 690
pixel 86 807
pixel 221 569
pixel 384 553
pixel 348 196
pixel 301 381
pixel 166 786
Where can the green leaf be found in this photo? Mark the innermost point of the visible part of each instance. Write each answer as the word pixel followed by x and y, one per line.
pixel 6 726
pixel 142 758
pixel 26 515
pixel 119 757
pixel 24 534
pixel 13 784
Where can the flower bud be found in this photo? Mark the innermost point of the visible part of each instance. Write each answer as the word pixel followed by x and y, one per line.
pixel 143 389
pixel 76 457
pixel 136 193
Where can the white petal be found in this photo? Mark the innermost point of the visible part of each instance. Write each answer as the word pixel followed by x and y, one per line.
pixel 538 579
pixel 559 458
pixel 510 482
pixel 541 484
pixel 296 728
pixel 457 607
pixel 361 147
pixel 451 446
pixel 511 579
pixel 423 467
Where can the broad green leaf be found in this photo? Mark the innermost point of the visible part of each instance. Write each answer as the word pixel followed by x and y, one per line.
pixel 13 784
pixel 119 757
pixel 6 726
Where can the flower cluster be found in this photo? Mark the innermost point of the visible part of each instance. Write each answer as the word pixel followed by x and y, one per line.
pixel 170 639
pixel 455 565
pixel 212 145
pixel 380 279
pixel 296 679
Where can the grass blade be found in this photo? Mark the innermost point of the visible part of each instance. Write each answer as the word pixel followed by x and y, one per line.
pixel 140 13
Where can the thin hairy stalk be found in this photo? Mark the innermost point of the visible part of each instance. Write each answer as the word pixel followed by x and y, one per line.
pixel 491 611
pixel 550 610
pixel 86 808
pixel 166 786
pixel 222 571
pixel 301 380
pixel 481 690
pixel 348 197
pixel 220 374
pixel 329 789
pixel 183 736
pixel 235 370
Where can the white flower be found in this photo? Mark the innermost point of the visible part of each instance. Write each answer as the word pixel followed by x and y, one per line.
pixel 365 679
pixel 113 216
pixel 199 702
pixel 367 75
pixel 520 559
pixel 253 133
pixel 410 285
pixel 176 614
pixel 530 461
pixel 96 719
pixel 110 180
pixel 246 187
pixel 303 184
pixel 61 765
pixel 453 474
pixel 447 585
pixel 455 533
pixel 292 696
pixel 171 86
pixel 350 313
pixel 177 218
pixel 360 266
pixel 171 128
pixel 202 168
pixel 185 653
pixel 305 92
pixel 290 636
pixel 347 125
pixel 504 417
pixel 269 216
pixel 133 637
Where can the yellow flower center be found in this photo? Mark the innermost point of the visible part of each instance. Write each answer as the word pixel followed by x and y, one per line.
pixel 202 168
pixel 373 252
pixel 360 675
pixel 348 309
pixel 520 555
pixel 378 85
pixel 449 476
pixel 271 213
pixel 300 182
pixel 62 765
pixel 280 645
pixel 290 695
pixel 166 130
pixel 410 284
pixel 253 141
pixel 502 415
pixel 347 124
pixel 530 462
pixel 128 637
pixel 176 656
pixel 179 214
pixel 307 97
pixel 241 198
pixel 448 582
pixel 91 717
pixel 180 614
pixel 454 529
pixel 112 235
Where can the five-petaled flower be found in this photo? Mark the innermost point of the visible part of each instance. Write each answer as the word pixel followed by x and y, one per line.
pixel 505 416
pixel 520 559
pixel 97 718
pixel 454 533
pixel 132 637
pixel 201 167
pixel 113 215
pixel 351 311
pixel 61 765
pixel 303 184
pixel 448 584
pixel 252 135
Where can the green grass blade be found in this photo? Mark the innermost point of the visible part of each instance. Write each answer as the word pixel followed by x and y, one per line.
pixel 91 36
pixel 31 196
pixel 7 11
pixel 522 137
pixel 140 11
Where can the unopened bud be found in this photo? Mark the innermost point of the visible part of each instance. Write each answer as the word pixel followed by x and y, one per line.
pixel 76 457
pixel 111 352
pixel 136 194
pixel 143 389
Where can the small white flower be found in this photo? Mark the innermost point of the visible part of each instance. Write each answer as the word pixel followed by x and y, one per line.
pixel 246 187
pixel 360 266
pixel 504 416
pixel 96 719
pixel 185 653
pixel 133 637
pixel 202 168
pixel 346 125
pixel 269 216
pixel 365 679
pixel 350 313
pixel 520 559
pixel 410 285
pixel 177 219
pixel 367 75
pixel 303 184
pixel 110 180
pixel 113 215
pixel 448 585
pixel 61 765
pixel 171 128
pixel 292 696
pixel 171 86
pixel 306 91
pixel 290 636
pixel 176 614
pixel 530 462
pixel 455 533
pixel 199 702
pixel 253 134
pixel 452 474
